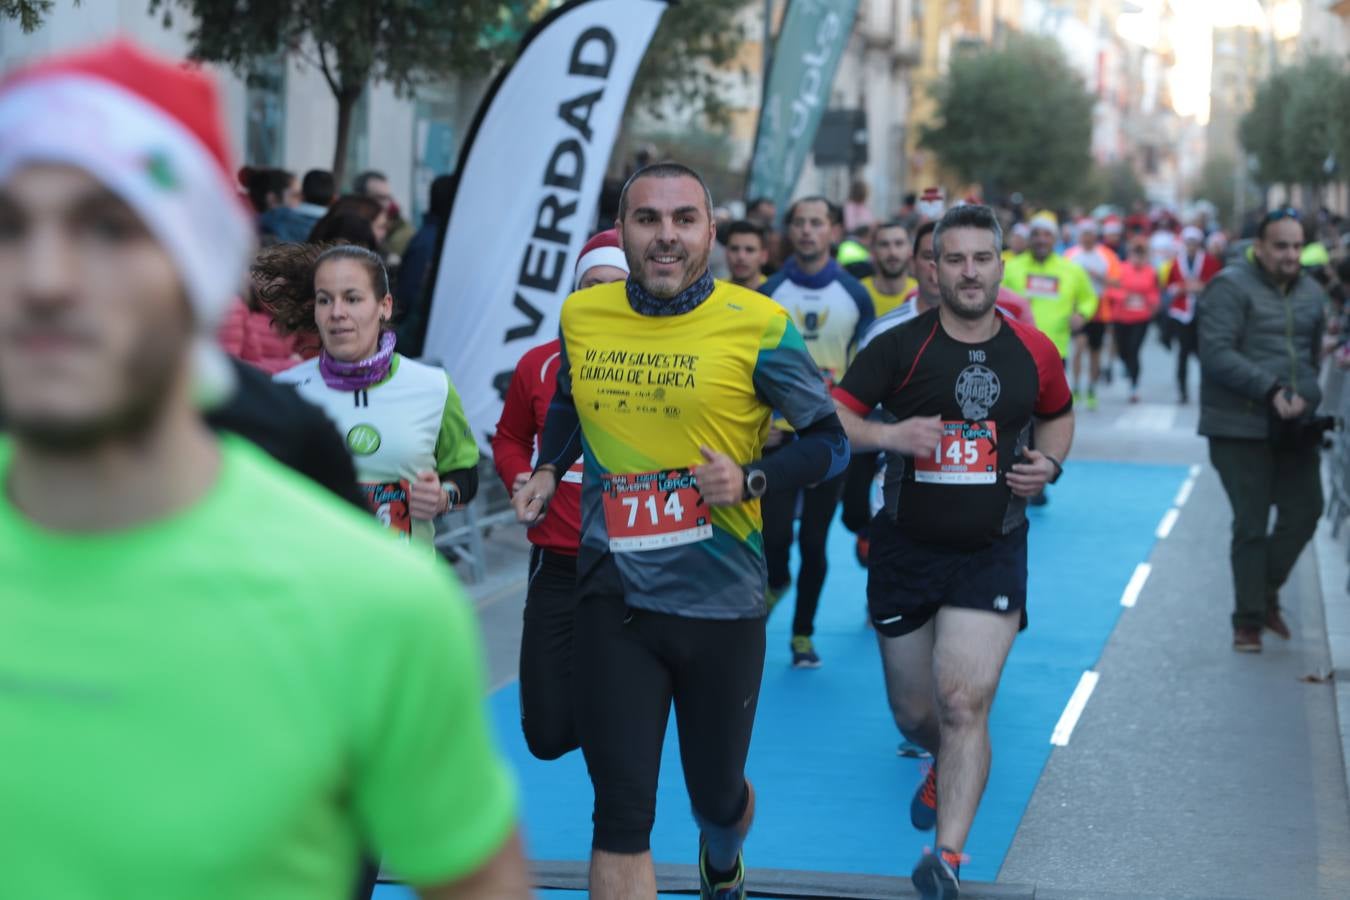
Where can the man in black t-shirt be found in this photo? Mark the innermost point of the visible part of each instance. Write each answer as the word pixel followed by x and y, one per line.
pixel 947 574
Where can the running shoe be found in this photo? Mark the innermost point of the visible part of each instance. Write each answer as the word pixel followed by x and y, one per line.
pixel 1092 400
pixel 938 875
pixel 911 750
pixel 722 890
pixel 773 594
pixel 923 808
pixel 804 653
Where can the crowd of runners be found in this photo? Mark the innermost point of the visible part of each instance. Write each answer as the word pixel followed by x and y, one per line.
pixel 178 599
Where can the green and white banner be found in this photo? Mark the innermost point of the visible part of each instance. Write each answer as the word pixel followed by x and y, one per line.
pixel 805 59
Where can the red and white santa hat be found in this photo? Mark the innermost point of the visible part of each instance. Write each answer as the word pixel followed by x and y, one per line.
pixel 151 131
pixel 932 203
pixel 1112 225
pixel 601 250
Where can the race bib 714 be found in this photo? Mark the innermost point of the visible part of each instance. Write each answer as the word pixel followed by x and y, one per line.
pixel 967 454
pixel 650 510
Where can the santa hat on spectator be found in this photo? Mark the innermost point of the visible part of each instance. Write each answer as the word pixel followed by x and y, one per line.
pixel 1086 224
pixel 931 203
pixel 1112 225
pixel 601 250
pixel 150 131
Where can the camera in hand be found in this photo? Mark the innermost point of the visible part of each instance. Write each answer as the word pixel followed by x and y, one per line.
pixel 1299 434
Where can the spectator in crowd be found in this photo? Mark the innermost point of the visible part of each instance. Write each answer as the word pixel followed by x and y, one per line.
pixel 413 291
pixel 294 223
pixel 375 185
pixel 353 220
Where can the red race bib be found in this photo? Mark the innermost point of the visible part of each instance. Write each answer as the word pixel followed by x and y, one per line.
pixel 389 503
pixel 967 454
pixel 651 510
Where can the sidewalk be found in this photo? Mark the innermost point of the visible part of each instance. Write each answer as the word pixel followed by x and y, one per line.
pixel 1195 770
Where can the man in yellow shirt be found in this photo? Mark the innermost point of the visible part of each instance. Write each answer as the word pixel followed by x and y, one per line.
pixel 891 249
pixel 1060 292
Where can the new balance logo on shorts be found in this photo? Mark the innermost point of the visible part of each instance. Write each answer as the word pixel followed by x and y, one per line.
pixel 1001 603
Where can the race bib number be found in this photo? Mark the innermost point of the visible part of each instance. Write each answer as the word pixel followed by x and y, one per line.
pixel 967 454
pixel 651 510
pixel 1043 285
pixel 389 503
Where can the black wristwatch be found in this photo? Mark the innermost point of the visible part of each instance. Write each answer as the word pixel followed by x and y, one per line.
pixel 1059 467
pixel 756 483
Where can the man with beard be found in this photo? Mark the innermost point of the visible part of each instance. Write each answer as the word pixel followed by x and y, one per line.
pixel 891 283
pixel 947 577
pixel 264 709
pixel 832 310
pixel 667 380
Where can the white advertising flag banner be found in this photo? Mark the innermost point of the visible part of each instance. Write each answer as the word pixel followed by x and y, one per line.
pixel 529 179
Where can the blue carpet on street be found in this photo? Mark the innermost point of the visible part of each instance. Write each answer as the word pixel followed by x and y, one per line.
pixel 832 794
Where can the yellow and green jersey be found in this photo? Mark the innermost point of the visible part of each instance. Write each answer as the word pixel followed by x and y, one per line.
pixel 650 392
pixel 1056 288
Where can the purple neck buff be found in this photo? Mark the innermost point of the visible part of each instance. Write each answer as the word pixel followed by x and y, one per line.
pixel 359 375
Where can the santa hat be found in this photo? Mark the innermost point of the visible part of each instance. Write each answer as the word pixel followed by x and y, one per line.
pixel 931 203
pixel 1022 229
pixel 1045 221
pixel 1112 225
pixel 601 250
pixel 151 132
pixel 1086 224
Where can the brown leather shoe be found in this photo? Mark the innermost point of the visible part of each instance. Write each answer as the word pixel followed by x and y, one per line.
pixel 1275 622
pixel 1246 639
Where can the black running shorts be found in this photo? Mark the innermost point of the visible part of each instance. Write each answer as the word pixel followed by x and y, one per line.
pixel 1096 334
pixel 908 581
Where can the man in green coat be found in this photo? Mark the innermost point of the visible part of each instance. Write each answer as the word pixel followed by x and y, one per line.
pixel 1261 325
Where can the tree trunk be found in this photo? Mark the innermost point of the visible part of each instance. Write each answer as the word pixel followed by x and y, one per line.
pixel 346 102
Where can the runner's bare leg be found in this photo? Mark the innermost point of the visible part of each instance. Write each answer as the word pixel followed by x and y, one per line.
pixel 622 876
pixel 907 663
pixel 968 655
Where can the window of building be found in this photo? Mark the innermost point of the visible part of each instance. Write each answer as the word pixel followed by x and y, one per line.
pixel 265 106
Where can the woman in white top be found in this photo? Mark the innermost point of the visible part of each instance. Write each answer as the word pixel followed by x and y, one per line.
pixel 402 421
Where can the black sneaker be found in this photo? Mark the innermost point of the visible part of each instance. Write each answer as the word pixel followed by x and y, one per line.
pixel 804 653
pixel 722 890
pixel 938 875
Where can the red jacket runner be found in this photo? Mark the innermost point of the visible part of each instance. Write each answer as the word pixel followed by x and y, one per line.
pixel 516 442
pixel 1201 267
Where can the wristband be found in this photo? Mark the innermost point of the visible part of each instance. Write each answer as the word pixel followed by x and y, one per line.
pixel 451 494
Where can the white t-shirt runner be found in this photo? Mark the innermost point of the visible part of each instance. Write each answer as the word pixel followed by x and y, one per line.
pixel 411 422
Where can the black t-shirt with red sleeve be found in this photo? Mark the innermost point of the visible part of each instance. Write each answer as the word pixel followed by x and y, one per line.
pixel 987 395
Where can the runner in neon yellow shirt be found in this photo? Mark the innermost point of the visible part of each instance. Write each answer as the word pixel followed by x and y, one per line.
pixel 1060 292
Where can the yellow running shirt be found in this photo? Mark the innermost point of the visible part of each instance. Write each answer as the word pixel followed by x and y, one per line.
pixel 1056 289
pixel 650 391
pixel 884 303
